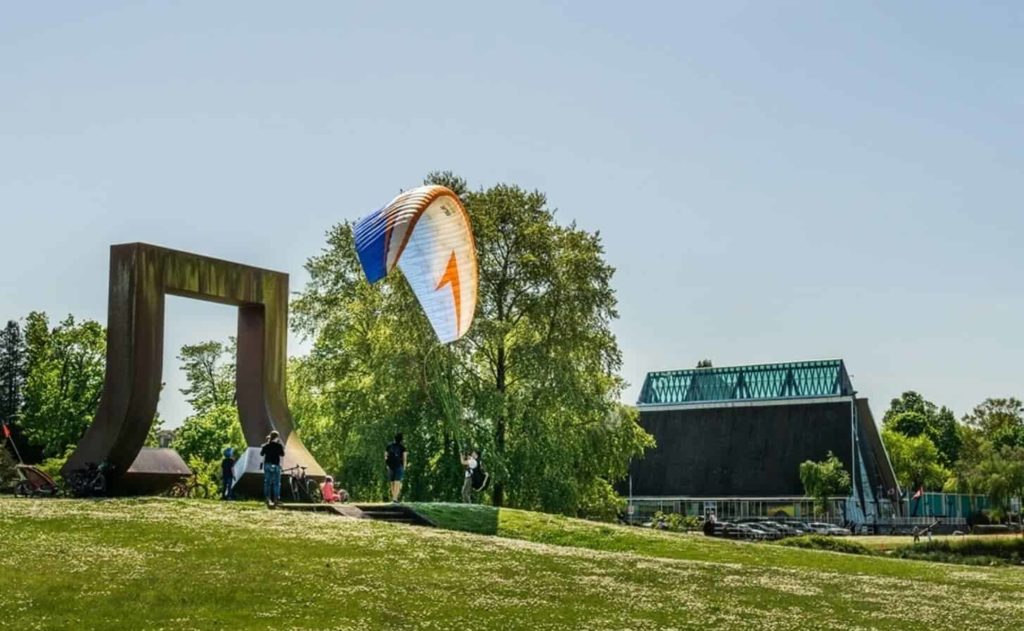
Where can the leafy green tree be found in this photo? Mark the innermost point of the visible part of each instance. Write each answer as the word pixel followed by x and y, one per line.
pixel 63 381
pixel 534 384
pixel 912 415
pixel 209 368
pixel 12 370
pixel 12 383
pixel 824 479
pixel 915 460
pixel 205 435
pixel 1000 421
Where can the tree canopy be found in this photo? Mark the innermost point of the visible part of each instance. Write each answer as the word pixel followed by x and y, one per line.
pixel 913 415
pixel 534 385
pixel 63 380
pixel 824 479
pixel 915 460
pixel 209 369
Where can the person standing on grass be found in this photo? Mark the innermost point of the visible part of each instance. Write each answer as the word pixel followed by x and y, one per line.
pixel 470 462
pixel 272 452
pixel 396 457
pixel 227 474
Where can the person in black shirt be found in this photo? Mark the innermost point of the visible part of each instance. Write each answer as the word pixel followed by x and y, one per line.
pixel 227 474
pixel 272 452
pixel 396 457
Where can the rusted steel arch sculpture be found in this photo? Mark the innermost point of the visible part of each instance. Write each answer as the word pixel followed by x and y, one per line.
pixel 141 276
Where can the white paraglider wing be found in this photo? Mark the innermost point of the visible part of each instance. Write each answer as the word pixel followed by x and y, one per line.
pixel 427 234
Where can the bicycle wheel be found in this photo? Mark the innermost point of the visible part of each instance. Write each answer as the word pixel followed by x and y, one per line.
pixel 98 486
pixel 200 491
pixel 313 493
pixel 178 490
pixel 76 484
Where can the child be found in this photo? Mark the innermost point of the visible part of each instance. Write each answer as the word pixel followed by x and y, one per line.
pixel 330 494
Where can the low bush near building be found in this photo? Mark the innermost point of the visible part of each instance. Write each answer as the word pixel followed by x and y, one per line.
pixel 973 551
pixel 821 542
pixel 675 522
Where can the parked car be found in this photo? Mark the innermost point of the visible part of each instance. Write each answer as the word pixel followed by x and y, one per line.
pixel 823 528
pixel 782 529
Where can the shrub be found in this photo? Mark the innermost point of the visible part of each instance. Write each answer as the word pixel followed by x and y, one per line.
pixel 7 475
pixel 675 522
pixel 973 551
pixel 821 542
pixel 52 465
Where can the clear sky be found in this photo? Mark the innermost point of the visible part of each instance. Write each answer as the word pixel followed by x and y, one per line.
pixel 773 181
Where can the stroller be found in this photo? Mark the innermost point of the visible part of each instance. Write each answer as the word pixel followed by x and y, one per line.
pixel 34 482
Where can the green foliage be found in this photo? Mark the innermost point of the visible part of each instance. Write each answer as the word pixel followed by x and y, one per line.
pixel 204 436
pixel 64 378
pixel 675 522
pixel 999 421
pixel 7 474
pixel 912 415
pixel 211 377
pixel 53 465
pixel 599 501
pixel 823 480
pixel 915 460
pixel 12 371
pixel 972 551
pixel 999 473
pixel 822 542
pixel 534 385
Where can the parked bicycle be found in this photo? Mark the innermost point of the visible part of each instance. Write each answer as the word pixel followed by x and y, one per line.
pixel 190 487
pixel 90 481
pixel 302 487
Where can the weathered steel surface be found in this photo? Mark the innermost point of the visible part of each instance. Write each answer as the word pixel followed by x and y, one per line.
pixel 153 471
pixel 141 276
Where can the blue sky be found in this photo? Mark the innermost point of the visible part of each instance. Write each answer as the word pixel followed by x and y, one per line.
pixel 773 181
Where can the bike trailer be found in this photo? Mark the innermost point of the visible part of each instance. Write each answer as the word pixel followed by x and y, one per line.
pixel 34 481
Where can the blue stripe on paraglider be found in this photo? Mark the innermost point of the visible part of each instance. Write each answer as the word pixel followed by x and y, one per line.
pixel 371 237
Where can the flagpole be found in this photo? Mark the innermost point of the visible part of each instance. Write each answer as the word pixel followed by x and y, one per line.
pixel 7 434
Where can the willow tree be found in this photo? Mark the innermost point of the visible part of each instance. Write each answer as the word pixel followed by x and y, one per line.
pixel 535 383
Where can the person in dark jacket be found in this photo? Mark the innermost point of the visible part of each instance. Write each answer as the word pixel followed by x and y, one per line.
pixel 396 458
pixel 227 475
pixel 272 452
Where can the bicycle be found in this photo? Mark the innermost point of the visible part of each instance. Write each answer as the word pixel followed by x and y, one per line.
pixel 90 481
pixel 301 487
pixel 189 487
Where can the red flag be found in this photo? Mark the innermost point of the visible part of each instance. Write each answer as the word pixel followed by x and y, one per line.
pixel 7 431
pixel 919 493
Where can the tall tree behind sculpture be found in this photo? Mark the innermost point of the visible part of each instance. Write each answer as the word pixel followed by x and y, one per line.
pixel 12 370
pixel 63 380
pixel 209 369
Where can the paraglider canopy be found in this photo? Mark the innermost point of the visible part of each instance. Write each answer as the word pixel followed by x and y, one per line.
pixel 426 233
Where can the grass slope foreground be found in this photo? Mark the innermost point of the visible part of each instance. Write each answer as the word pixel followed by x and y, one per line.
pixel 180 564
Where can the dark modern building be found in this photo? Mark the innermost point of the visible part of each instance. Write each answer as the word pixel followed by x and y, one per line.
pixel 731 440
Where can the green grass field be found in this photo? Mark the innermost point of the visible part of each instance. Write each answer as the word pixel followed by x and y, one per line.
pixel 181 564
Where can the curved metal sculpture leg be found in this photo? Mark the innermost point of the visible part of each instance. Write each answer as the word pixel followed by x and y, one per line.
pixel 141 276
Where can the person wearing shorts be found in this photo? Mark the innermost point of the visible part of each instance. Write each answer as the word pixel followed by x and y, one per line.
pixel 396 457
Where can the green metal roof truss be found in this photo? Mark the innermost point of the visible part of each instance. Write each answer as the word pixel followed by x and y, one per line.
pixel 824 378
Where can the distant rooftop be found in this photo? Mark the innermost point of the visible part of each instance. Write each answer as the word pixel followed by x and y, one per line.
pixel 823 378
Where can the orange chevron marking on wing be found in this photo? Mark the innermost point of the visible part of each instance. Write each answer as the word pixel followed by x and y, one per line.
pixel 451 277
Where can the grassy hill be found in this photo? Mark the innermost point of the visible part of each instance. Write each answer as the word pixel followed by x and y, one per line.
pixel 150 564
